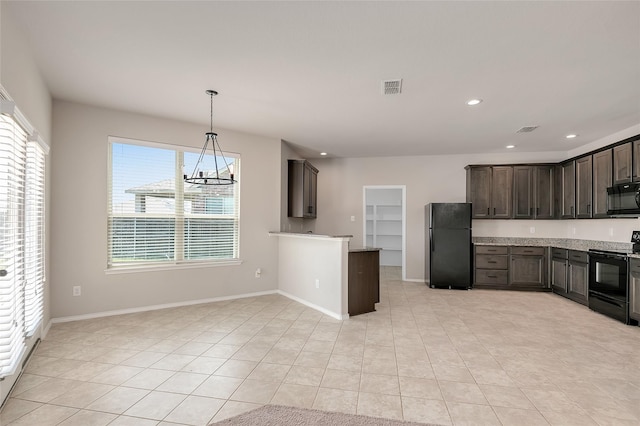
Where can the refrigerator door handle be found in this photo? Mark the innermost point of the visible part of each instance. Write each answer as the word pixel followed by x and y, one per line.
pixel 430 240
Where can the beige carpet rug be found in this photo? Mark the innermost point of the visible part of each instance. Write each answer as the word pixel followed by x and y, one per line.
pixel 277 415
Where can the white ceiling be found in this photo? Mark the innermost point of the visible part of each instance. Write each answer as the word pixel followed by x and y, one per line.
pixel 310 72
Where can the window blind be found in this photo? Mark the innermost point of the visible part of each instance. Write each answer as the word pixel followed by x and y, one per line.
pixel 155 218
pixel 13 142
pixel 34 237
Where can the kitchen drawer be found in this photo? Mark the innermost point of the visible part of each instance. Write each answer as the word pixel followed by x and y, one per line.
pixel 488 276
pixel 578 256
pixel 559 253
pixel 488 261
pixel 491 250
pixel 528 251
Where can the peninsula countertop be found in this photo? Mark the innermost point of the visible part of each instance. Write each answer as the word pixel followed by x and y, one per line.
pixel 306 234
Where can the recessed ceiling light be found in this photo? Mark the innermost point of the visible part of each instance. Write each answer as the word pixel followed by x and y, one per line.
pixel 323 153
pixel 473 102
pixel 571 136
pixel 510 146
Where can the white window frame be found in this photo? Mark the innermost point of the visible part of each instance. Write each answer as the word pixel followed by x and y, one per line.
pixel 180 217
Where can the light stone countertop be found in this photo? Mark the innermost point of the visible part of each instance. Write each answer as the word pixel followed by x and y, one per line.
pixel 565 243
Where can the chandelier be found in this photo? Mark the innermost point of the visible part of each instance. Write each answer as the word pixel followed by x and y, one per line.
pixel 217 176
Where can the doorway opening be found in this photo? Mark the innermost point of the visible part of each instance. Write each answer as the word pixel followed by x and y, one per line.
pixel 384 226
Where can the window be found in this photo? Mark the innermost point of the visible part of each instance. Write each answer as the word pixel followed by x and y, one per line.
pixel 22 218
pixel 155 218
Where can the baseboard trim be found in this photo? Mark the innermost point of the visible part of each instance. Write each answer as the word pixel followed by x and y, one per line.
pixel 156 307
pixel 314 306
pixel 45 330
pixel 416 280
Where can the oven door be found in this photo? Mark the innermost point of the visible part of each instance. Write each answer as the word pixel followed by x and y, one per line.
pixel 608 275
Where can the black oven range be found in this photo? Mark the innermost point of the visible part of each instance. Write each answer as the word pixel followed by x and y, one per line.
pixel 608 283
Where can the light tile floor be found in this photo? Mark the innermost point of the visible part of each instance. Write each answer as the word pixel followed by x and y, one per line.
pixel 442 356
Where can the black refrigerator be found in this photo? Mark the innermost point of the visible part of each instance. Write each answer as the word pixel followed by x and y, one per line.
pixel 448 245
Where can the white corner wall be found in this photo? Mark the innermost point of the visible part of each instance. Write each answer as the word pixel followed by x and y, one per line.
pixel 305 260
pixel 79 215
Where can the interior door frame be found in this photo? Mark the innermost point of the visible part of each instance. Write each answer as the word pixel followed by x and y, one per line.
pixel 403 188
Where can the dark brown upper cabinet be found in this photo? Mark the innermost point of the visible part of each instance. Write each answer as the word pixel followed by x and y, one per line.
pixel 501 191
pixel 584 187
pixel 568 186
pixel 544 192
pixel 479 191
pixel 523 192
pixel 489 190
pixel 636 160
pixel 622 163
pixel 303 189
pixel 602 177
pixel 533 192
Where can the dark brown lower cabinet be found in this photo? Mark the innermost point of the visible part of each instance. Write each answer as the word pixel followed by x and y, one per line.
pixel 578 277
pixel 510 268
pixel 364 281
pixel 527 268
pixel 559 270
pixel 491 267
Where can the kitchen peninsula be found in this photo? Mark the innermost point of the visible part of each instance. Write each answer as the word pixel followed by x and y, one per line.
pixel 315 270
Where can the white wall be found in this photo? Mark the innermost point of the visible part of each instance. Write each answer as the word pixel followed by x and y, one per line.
pixel 20 76
pixel 305 260
pixel 79 215
pixel 441 179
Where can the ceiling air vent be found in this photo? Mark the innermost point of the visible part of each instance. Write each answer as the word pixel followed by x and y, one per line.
pixel 527 129
pixel 391 87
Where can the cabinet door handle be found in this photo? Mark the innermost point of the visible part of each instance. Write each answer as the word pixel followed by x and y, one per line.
pixel 492 276
pixel 488 211
pixel 494 211
pixel 537 211
pixel 589 208
pixel 571 210
pixel 491 261
pixel 531 211
pixel 528 251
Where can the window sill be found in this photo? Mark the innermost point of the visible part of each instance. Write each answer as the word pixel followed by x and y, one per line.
pixel 170 267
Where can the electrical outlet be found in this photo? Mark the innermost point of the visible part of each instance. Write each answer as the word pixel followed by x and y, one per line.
pixel 258 273
pixel 532 230
pixel 77 290
pixel 317 283
pixel 611 232
pixel 353 218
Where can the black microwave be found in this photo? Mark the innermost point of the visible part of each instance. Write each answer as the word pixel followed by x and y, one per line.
pixel 624 199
